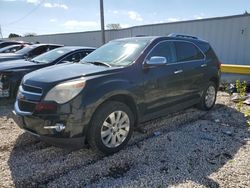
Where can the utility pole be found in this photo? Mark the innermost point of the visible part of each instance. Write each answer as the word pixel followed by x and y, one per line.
pixel 102 21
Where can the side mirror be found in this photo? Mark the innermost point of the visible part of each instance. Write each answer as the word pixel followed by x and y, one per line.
pixel 156 61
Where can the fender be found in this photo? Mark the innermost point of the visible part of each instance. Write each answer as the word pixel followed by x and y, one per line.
pixel 104 91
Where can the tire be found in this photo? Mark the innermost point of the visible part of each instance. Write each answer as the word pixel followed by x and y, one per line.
pixel 208 97
pixel 105 128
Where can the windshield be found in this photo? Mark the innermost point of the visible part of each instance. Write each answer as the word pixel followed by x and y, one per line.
pixel 26 49
pixel 52 55
pixel 117 53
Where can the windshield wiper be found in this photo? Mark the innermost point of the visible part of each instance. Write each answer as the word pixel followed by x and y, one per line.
pixel 100 63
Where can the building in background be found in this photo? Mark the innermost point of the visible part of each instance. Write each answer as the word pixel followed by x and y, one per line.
pixel 229 36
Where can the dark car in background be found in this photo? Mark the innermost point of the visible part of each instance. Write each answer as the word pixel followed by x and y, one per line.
pixel 8 43
pixel 12 72
pixel 12 48
pixel 28 52
pixel 100 100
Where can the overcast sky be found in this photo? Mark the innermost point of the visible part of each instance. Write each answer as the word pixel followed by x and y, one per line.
pixel 60 16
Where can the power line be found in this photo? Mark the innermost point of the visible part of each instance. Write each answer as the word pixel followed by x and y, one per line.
pixel 30 12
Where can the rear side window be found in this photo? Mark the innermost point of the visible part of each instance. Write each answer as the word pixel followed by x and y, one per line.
pixel 51 47
pixel 76 57
pixel 186 51
pixel 164 49
pixel 85 53
pixel 208 51
pixel 39 50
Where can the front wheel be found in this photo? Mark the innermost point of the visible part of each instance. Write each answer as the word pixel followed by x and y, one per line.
pixel 208 97
pixel 111 127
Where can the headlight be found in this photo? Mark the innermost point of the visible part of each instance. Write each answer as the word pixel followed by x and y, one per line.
pixel 66 91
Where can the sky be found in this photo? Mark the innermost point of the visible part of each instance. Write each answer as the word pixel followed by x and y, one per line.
pixel 63 16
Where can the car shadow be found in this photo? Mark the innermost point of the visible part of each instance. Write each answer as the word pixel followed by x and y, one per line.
pixel 34 163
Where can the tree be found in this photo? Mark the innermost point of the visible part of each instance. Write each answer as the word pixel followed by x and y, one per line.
pixel 13 35
pixel 113 26
pixel 29 34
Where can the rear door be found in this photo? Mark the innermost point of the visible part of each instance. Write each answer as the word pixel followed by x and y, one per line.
pixel 163 84
pixel 193 66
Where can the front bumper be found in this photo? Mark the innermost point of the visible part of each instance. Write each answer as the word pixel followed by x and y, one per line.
pixel 39 125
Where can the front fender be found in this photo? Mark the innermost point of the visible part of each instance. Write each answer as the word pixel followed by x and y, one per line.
pixel 103 91
pixel 93 98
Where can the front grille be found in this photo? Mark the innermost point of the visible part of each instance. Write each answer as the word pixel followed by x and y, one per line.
pixel 28 96
pixel 26 106
pixel 32 89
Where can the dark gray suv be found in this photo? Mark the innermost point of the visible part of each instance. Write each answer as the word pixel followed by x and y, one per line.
pixel 100 100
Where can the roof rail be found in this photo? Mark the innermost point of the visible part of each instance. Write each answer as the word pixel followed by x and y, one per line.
pixel 183 36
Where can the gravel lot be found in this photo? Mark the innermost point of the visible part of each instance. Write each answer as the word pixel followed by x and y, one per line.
pixel 191 148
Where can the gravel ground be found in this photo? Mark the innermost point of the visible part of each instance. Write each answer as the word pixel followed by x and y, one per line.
pixel 191 148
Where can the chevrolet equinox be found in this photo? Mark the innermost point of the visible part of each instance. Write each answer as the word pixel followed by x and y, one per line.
pixel 100 100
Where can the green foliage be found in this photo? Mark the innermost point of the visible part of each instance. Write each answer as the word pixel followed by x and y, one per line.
pixel 241 89
pixel 29 34
pixel 114 26
pixel 13 35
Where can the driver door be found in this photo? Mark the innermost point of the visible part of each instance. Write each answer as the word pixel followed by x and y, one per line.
pixel 163 83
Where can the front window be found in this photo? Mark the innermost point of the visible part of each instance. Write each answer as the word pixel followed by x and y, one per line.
pixel 164 49
pixel 118 53
pixel 51 56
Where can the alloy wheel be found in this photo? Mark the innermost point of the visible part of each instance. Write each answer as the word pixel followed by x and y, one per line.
pixel 115 129
pixel 210 96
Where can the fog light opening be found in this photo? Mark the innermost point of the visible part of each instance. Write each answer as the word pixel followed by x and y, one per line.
pixel 59 127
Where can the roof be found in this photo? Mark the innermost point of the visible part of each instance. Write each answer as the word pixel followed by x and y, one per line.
pixel 138 38
pixel 43 44
pixel 78 48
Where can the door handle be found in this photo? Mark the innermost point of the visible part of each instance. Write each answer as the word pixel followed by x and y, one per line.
pixel 178 71
pixel 203 65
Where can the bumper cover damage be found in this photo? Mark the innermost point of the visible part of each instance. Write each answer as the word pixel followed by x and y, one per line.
pixel 46 129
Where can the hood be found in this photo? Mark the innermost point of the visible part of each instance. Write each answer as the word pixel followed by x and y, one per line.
pixel 59 73
pixel 16 64
pixel 10 56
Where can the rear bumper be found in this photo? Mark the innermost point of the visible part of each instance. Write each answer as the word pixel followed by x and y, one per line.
pixel 4 86
pixel 3 91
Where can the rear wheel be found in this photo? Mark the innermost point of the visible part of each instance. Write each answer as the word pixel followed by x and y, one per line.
pixel 111 127
pixel 208 97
